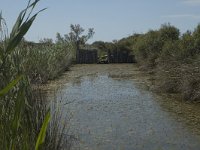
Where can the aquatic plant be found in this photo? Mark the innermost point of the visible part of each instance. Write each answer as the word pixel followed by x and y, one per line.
pixel 24 113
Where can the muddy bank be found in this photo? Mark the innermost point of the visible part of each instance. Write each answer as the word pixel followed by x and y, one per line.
pixel 114 108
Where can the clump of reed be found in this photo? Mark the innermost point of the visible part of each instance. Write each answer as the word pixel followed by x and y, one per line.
pixel 26 121
pixel 43 62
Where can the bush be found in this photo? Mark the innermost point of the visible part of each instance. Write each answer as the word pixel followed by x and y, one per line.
pixel 174 59
pixel 190 87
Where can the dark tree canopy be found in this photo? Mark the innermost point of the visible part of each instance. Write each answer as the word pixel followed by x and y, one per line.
pixel 76 35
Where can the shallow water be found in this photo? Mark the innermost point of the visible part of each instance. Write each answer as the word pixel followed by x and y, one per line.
pixel 113 109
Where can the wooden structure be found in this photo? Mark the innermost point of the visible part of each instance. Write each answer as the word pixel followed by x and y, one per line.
pixel 87 56
pixel 123 56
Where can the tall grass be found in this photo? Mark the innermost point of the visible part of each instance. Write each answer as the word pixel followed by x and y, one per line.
pixel 24 113
pixel 43 62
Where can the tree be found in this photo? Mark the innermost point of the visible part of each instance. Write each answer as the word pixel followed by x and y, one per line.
pixel 99 45
pixel 76 36
pixel 48 41
pixel 59 38
pixel 169 33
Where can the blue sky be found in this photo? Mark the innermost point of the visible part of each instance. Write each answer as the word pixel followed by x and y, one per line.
pixel 111 19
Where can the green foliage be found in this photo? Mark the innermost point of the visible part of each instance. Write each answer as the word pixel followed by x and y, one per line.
pixel 42 134
pixel 10 86
pixel 8 44
pixel 196 35
pixel 75 38
pixel 174 59
pixel 21 27
pixel 149 46
pixel 44 61
pixel 101 47
pixel 22 111
pixel 187 48
pixel 126 43
pixel 168 33
pixel 76 35
pixel 170 51
pixel 15 129
pixel 116 51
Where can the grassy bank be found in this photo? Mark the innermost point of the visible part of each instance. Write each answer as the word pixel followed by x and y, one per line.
pixel 26 121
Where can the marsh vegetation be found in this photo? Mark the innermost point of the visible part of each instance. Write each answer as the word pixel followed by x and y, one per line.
pixel 28 120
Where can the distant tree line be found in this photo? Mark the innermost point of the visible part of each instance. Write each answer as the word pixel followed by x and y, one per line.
pixel 117 51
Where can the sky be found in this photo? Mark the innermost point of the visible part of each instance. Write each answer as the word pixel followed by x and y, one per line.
pixel 111 19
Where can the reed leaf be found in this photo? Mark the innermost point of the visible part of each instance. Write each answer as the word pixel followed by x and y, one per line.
pixel 42 134
pixel 10 86
pixel 21 26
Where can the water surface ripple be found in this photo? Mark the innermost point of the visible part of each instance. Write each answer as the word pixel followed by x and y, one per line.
pixel 112 110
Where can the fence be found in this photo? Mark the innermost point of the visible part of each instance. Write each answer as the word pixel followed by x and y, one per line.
pixel 87 56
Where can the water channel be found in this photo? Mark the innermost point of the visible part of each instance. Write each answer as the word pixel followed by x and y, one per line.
pixel 113 108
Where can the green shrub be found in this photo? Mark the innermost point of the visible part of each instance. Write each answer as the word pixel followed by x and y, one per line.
pixel 173 59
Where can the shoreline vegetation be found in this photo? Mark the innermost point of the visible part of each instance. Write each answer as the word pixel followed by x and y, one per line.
pixel 171 58
pixel 26 121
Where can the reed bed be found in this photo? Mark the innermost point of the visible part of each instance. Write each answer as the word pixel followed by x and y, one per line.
pixel 26 121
